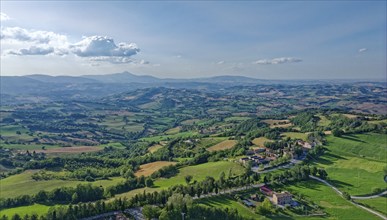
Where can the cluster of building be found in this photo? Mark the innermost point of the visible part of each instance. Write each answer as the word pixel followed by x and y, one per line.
pixel 264 155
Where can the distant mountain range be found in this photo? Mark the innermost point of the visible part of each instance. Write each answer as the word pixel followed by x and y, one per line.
pixel 28 88
pixel 126 77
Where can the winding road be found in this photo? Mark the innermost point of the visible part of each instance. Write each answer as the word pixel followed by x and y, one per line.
pixel 370 197
pixel 354 197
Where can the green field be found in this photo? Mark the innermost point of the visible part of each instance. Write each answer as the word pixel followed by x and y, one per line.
pixel 210 141
pixel 25 185
pixel 324 121
pixel 334 205
pixel 225 201
pixel 10 130
pixel 167 137
pixel 29 147
pixel 368 145
pixel 295 135
pixel 236 119
pixel 199 172
pixel 174 130
pixel 377 204
pixel 26 210
pixel 347 164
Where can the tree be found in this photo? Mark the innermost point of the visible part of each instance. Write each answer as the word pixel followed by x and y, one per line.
pixel 337 132
pixel 16 217
pixel 128 174
pixel 314 171
pixel 148 182
pixel 188 179
pixel 346 196
pixel 322 173
pixel 256 177
pixel 74 198
pixel 41 196
pixel 150 211
pixel 266 207
pixel 178 202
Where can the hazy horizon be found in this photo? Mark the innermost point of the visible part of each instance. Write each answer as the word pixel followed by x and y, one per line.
pixel 263 40
pixel 204 77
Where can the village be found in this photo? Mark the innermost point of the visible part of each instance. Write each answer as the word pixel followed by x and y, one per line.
pixel 264 158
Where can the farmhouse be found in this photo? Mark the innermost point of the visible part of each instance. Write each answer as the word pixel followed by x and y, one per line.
pixel 244 160
pixel 305 144
pixel 266 190
pixel 259 150
pixel 282 198
pixel 255 159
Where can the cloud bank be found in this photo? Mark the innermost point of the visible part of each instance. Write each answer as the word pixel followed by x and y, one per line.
pixel 281 60
pixel 4 17
pixel 95 48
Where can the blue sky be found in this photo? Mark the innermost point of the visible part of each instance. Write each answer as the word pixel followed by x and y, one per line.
pixel 261 39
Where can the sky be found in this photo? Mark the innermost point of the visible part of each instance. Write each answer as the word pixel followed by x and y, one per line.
pixel 188 39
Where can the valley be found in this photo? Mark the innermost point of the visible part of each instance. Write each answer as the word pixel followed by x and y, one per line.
pixel 142 147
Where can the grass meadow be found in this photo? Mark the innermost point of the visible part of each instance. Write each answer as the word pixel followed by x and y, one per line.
pixel 224 145
pixel 355 163
pixel 28 186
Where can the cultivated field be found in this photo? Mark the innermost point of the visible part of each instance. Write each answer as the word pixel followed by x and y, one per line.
pixel 29 147
pixel 278 123
pixel 260 141
pixel 155 148
pixel 26 210
pixel 210 141
pixel 295 135
pixel 149 168
pixel 324 121
pixel 224 145
pixel 199 172
pixel 173 130
pixel 70 150
pixel 167 137
pixel 225 201
pixel 28 186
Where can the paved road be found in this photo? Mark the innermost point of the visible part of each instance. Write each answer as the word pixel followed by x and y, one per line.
pixel 370 197
pixel 354 203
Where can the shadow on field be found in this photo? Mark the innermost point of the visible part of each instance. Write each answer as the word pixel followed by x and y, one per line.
pixel 310 185
pixel 218 200
pixel 339 183
pixel 352 138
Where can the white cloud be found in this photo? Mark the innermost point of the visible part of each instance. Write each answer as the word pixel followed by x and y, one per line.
pixel 280 60
pixel 4 17
pixel 32 51
pixel 41 37
pixel 362 50
pixel 115 60
pixel 98 46
pixel 144 62
pixel 95 48
pixel 220 62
